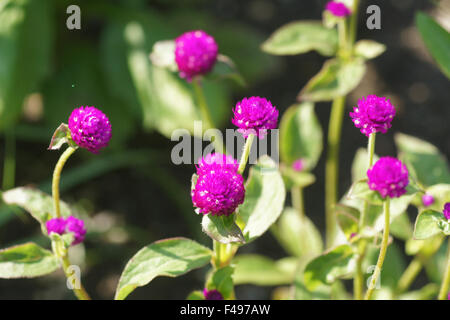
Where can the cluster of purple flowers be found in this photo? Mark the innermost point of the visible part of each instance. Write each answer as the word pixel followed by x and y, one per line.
pixel 388 176
pixel 71 224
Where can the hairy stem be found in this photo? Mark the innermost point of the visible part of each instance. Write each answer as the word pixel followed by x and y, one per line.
pixel 245 153
pixel 383 249
pixel 297 200
pixel 57 176
pixel 78 290
pixel 409 275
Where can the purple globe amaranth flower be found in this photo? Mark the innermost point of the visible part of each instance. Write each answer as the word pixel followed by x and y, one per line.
pixel 218 192
pixel 195 53
pixel 56 225
pixel 90 128
pixel 427 199
pixel 388 176
pixel 338 9
pixel 446 211
pixel 214 160
pixel 212 294
pixel 373 114
pixel 76 226
pixel 298 165
pixel 255 115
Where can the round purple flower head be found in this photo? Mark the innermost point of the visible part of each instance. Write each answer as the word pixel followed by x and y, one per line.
pixel 214 160
pixel 373 114
pixel 427 199
pixel 195 53
pixel 447 211
pixel 71 224
pixel 388 176
pixel 90 128
pixel 212 294
pixel 56 225
pixel 77 227
pixel 255 115
pixel 298 165
pixel 338 9
pixel 219 191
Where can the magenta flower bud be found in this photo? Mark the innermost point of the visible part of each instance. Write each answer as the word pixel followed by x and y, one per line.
pixel 373 114
pixel 427 200
pixel 298 165
pixel 388 176
pixel 446 211
pixel 255 115
pixel 56 225
pixel 90 128
pixel 338 9
pixel 219 191
pixel 212 294
pixel 195 53
pixel 76 226
pixel 214 160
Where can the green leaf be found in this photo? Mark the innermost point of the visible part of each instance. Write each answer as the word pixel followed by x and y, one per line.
pixel 26 37
pixel 295 178
pixel 335 264
pixel 437 40
pixel 348 219
pixel 336 78
pixel 360 164
pixel 264 198
pixel 401 227
pixel 360 190
pixel 425 163
pixel 297 235
pixel 196 295
pixel 163 55
pixel 169 257
pixel 221 280
pixel 37 203
pixel 427 292
pixel 300 37
pixel 222 229
pixel 369 49
pixel 301 135
pixel 26 261
pixel 430 223
pixel 225 68
pixel 60 137
pixel 262 271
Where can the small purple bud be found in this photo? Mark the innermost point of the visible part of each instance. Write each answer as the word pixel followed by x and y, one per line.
pixel 77 227
pixel 427 199
pixel 388 176
pixel 446 211
pixel 298 165
pixel 352 235
pixel 255 115
pixel 338 9
pixel 56 225
pixel 212 294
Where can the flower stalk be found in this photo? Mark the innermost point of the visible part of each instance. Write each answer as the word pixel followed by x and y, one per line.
pixel 443 292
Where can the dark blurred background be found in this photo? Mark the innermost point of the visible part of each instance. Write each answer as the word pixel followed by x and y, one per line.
pixel 132 192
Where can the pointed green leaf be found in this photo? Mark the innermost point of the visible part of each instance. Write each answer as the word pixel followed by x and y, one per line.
pixel 301 135
pixel 430 223
pixel 264 198
pixel 223 229
pixel 437 40
pixel 169 258
pixel 36 202
pixel 369 49
pixel 222 281
pixel 295 178
pixel 335 264
pixel 348 219
pixel 336 78
pixel 300 37
pixel 26 261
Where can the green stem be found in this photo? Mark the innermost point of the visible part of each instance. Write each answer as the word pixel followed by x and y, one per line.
pixel 354 22
pixel 297 200
pixel 332 165
pixel 245 153
pixel 383 249
pixel 57 176
pixel 9 166
pixel 409 275
pixel 80 292
pixel 443 292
